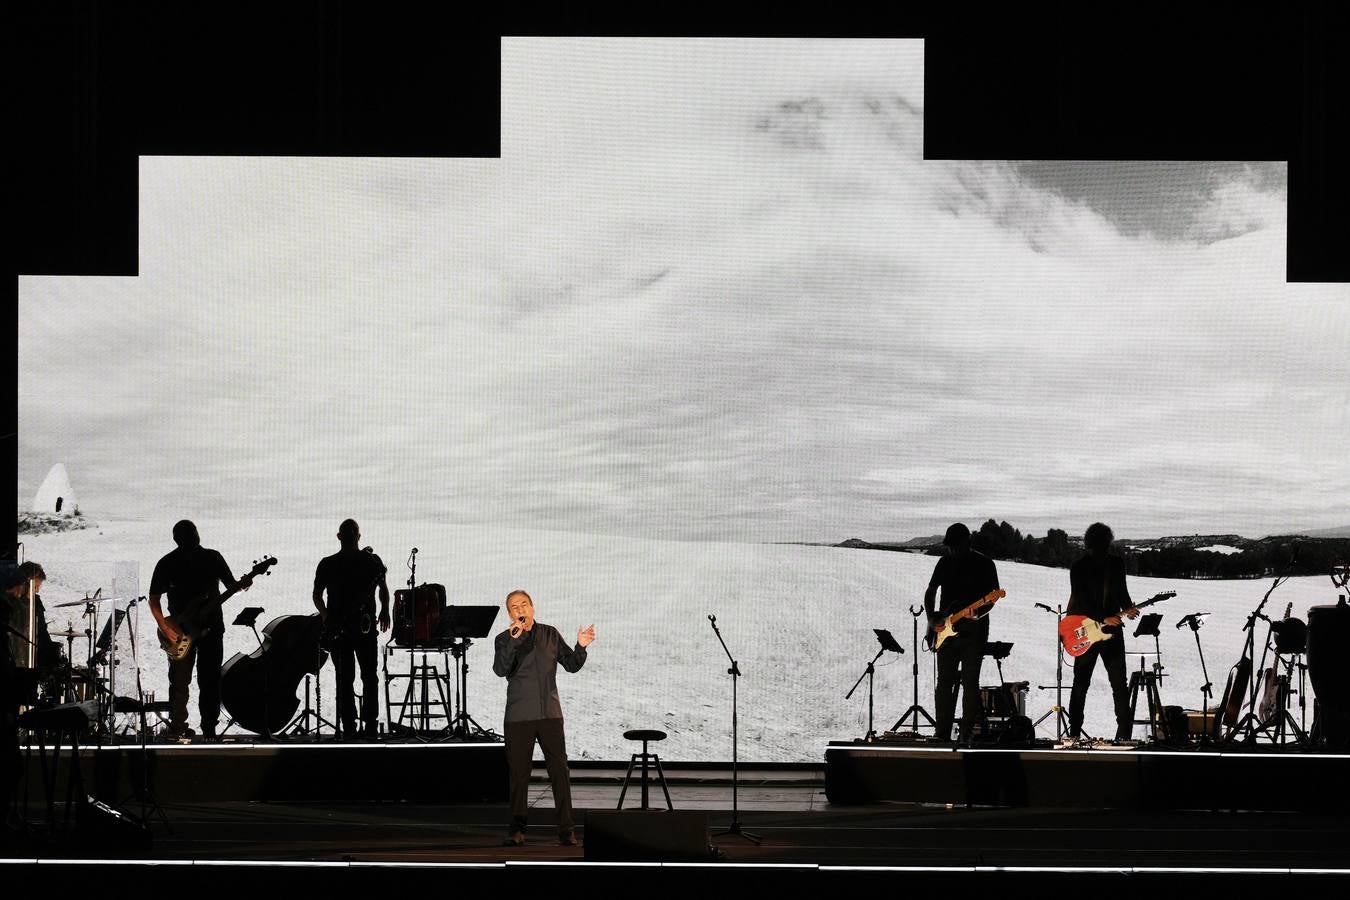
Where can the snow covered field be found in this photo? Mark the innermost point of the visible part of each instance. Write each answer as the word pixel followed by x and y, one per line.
pixel 798 618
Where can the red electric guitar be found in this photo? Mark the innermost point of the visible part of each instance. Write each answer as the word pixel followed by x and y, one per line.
pixel 1078 633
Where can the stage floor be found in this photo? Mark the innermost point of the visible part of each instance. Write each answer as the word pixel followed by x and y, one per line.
pixel 798 824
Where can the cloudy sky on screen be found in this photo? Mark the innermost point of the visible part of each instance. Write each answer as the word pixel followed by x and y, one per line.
pixel 711 290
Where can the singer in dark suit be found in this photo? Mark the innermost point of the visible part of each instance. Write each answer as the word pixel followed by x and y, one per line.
pixel 528 655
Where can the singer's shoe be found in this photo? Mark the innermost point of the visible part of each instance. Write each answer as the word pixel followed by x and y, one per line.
pixel 514 839
pixel 567 839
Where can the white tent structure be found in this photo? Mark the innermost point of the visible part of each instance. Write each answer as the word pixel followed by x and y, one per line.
pixel 56 496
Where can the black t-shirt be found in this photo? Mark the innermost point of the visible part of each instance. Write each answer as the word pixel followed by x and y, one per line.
pixel 1097 587
pixel 964 578
pixel 350 577
pixel 191 576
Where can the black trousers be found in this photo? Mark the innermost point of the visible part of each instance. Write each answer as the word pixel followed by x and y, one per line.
pixel 349 648
pixel 208 654
pixel 520 738
pixel 958 667
pixel 1112 652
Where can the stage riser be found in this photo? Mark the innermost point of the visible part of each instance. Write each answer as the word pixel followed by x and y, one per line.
pixel 439 773
pixel 1096 780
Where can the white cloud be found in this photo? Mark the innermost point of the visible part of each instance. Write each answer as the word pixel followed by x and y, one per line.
pixel 710 289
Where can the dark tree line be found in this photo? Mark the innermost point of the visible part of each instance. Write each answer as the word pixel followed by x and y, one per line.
pixel 1258 559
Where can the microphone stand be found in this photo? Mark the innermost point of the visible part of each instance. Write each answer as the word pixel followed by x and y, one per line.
pixel 868 673
pixel 915 709
pixel 735 673
pixel 148 801
pixel 1061 720
pixel 1193 622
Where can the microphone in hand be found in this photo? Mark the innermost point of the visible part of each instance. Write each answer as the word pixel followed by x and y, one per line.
pixel 517 626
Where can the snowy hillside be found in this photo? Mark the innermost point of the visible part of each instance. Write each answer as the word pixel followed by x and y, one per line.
pixel 798 618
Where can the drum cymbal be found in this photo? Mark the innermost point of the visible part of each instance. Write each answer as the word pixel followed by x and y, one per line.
pixel 89 600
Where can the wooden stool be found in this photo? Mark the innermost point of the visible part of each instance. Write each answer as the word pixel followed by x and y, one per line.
pixel 643 757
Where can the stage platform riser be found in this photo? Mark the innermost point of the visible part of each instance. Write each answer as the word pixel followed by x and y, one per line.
pixel 425 773
pixel 1090 780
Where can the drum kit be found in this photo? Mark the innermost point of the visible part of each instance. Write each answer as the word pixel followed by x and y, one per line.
pixel 59 680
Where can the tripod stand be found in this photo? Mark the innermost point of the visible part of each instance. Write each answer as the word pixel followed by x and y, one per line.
pixel 887 643
pixel 1193 622
pixel 1057 710
pixel 915 709
pixel 735 673
pixel 459 625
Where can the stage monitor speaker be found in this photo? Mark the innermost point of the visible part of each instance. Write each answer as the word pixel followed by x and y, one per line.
pixel 647 835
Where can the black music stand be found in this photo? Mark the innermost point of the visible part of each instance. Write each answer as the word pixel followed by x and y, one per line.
pixel 1148 681
pixel 887 643
pixel 458 626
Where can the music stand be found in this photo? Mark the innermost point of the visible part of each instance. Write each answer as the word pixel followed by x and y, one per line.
pixel 998 651
pixel 459 626
pixel 248 617
pixel 1149 682
pixel 887 642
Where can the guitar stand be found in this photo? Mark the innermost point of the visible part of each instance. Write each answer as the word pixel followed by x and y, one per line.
pixel 915 709
pixel 1280 717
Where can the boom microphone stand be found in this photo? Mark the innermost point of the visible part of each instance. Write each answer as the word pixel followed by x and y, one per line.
pixel 887 643
pixel 915 709
pixel 735 673
pixel 1193 622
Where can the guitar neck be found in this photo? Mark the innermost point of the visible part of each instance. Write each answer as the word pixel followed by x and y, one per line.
pixel 985 601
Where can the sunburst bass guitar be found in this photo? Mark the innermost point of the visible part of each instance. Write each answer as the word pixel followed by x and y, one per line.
pixel 189 628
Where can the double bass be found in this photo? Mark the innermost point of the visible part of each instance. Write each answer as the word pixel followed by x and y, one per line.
pixel 259 690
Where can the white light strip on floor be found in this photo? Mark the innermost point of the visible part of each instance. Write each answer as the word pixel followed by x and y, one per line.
pixel 1095 870
pixel 317 864
pixel 227 747
pixel 594 864
pixel 1192 754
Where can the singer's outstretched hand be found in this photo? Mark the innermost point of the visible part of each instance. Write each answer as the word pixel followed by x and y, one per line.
pixel 586 635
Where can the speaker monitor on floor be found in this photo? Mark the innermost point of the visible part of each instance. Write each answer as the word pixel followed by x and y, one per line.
pixel 650 835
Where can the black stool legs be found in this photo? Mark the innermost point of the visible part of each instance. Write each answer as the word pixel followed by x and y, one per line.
pixel 646 759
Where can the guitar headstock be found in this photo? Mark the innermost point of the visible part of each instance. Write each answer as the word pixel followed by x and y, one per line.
pixel 262 567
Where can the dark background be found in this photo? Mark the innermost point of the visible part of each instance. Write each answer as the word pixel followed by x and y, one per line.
pixel 94 86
